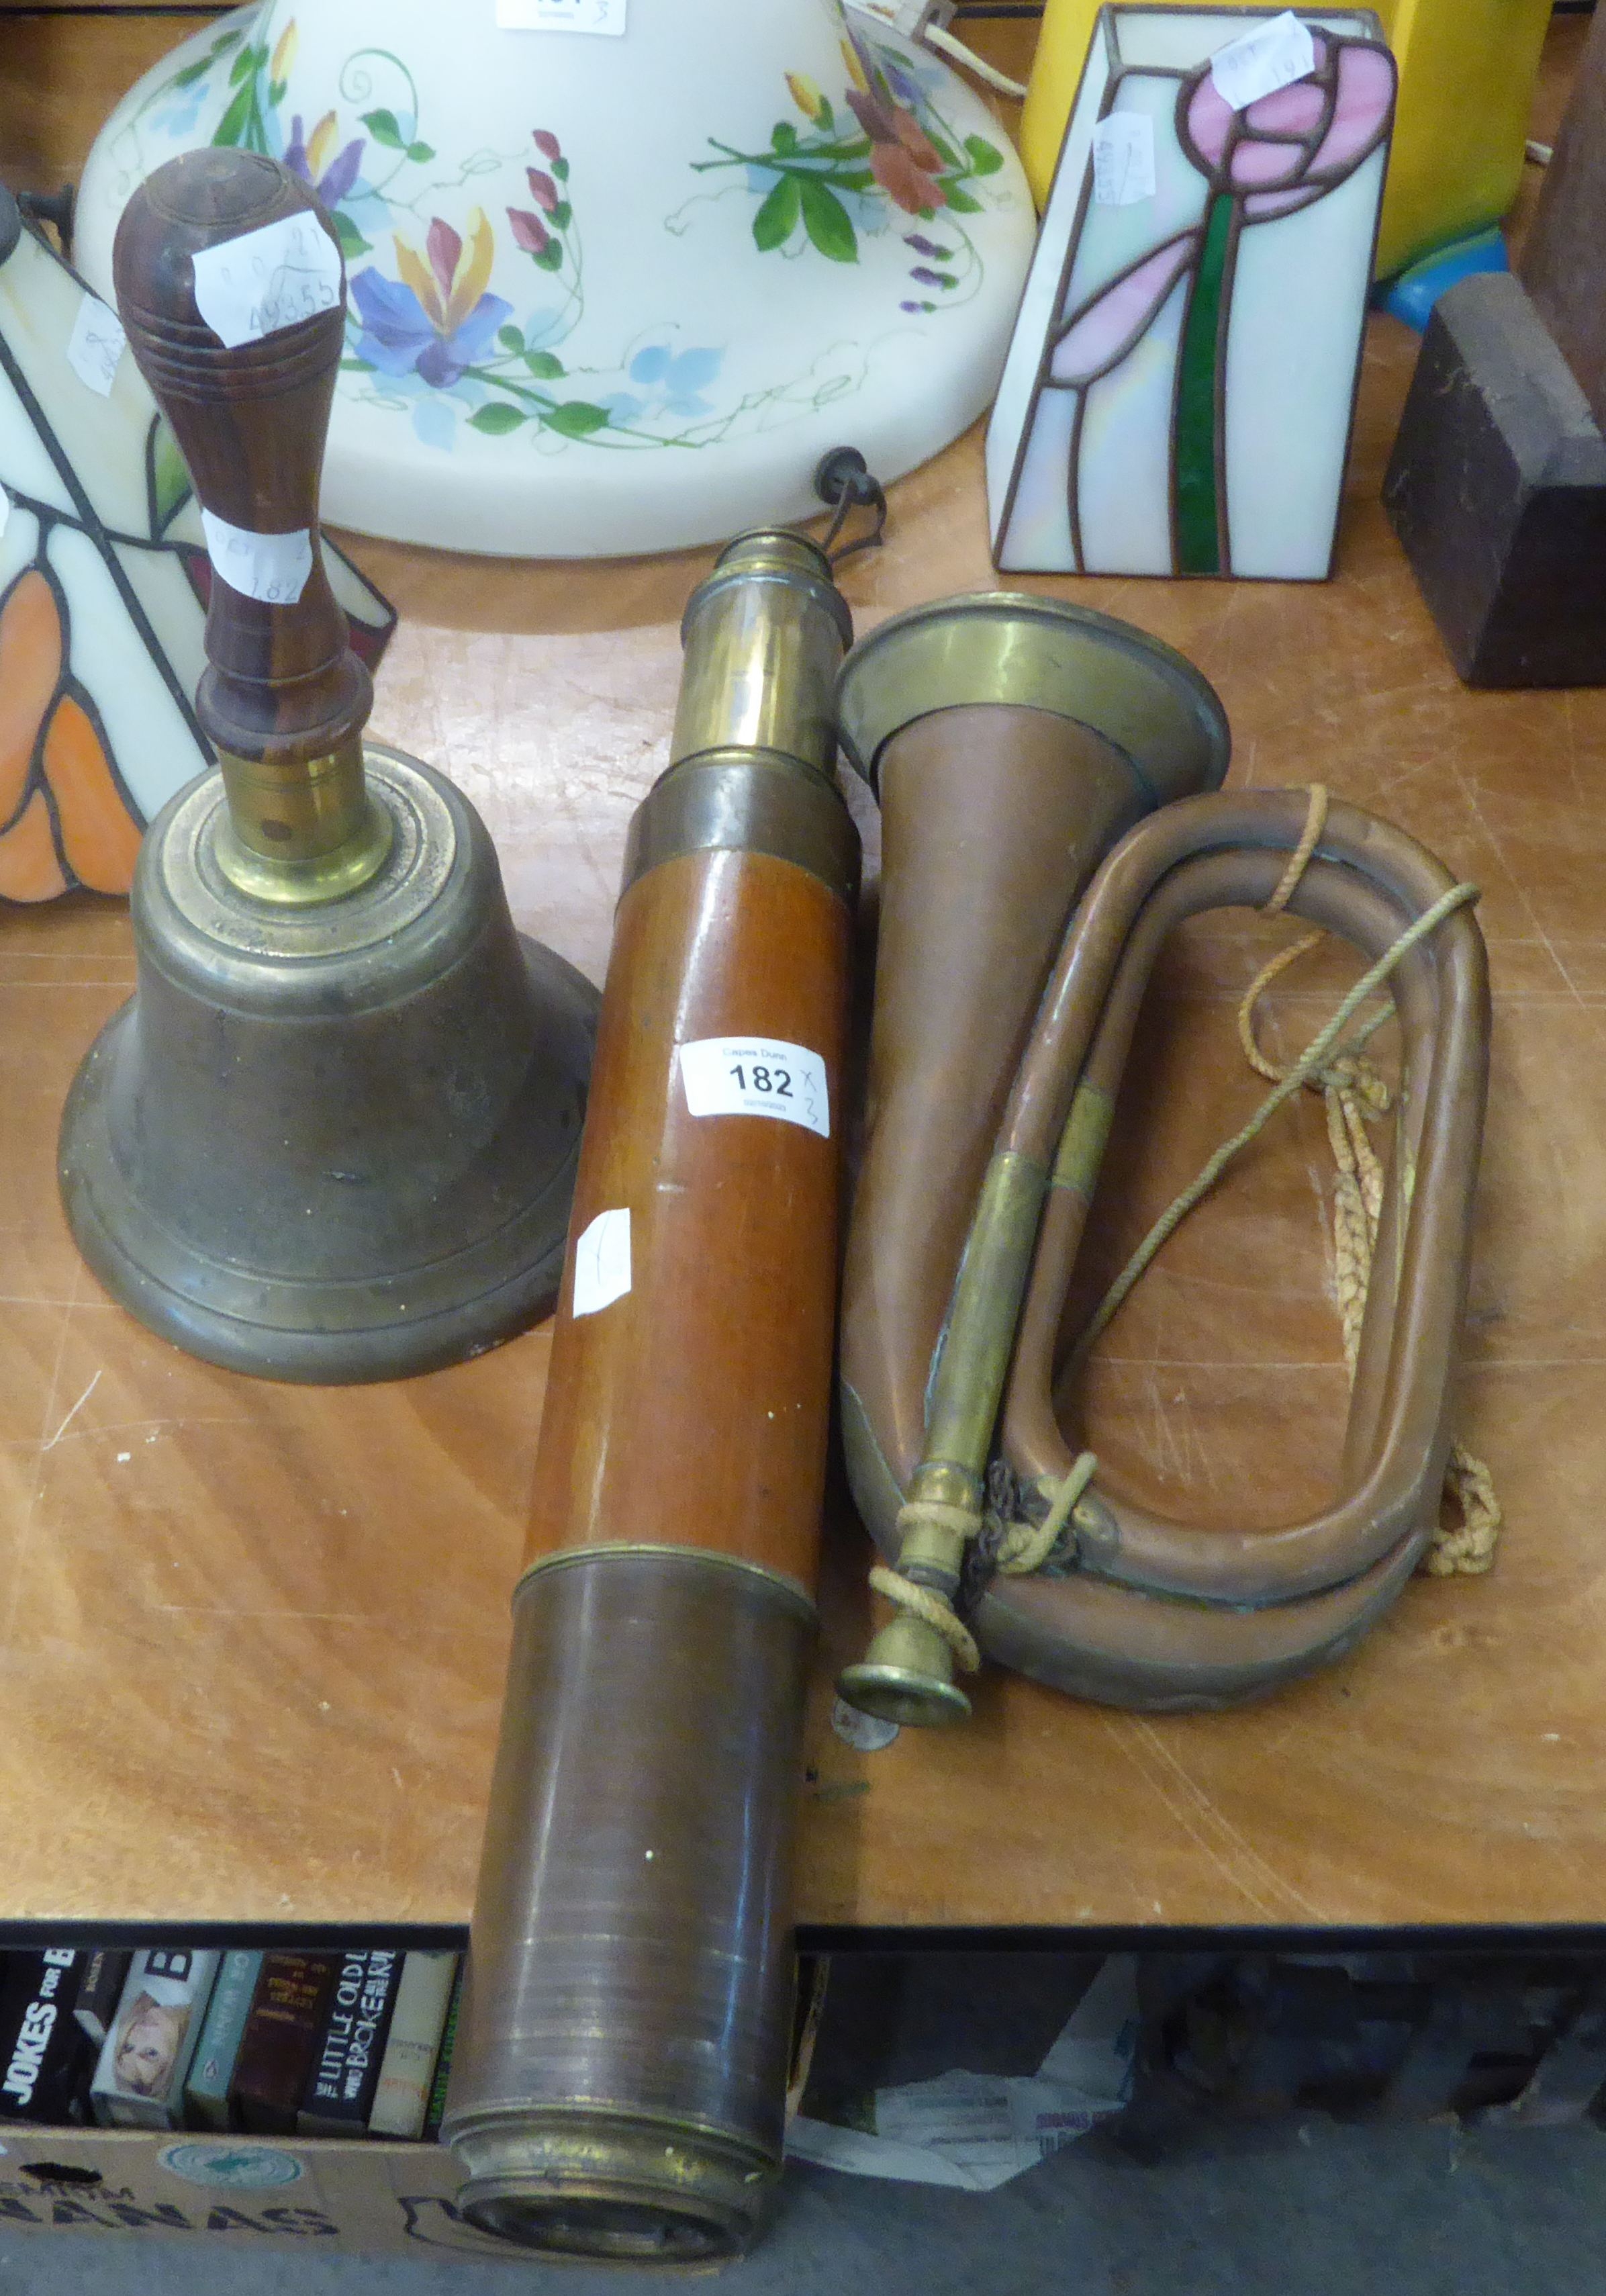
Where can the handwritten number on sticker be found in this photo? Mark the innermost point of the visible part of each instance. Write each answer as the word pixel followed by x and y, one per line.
pixel 95 345
pixel 756 1076
pixel 273 568
pixel 1260 61
pixel 603 16
pixel 266 280
pixel 1123 160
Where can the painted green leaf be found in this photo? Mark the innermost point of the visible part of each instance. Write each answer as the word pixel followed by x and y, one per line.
pixel 542 365
pixel 826 119
pixel 575 419
pixel 827 222
pixel 356 366
pixel 496 422
pixel 777 216
pixel 960 201
pixel 562 216
pixel 851 179
pixel 785 136
pixel 511 340
pixel 190 73
pixel 551 255
pixel 233 125
pixel 170 486
pixel 560 169
pixel 277 90
pixel 419 152
pixel 243 65
pixel 986 158
pixel 352 243
pixel 943 150
pixel 383 126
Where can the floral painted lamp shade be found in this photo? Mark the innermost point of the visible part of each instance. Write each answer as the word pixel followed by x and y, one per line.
pixel 1180 389
pixel 103 584
pixel 619 288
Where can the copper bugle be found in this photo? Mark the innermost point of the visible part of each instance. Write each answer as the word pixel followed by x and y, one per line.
pixel 618 2088
pixel 999 1039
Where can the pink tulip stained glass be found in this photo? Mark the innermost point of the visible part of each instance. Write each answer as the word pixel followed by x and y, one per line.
pixel 1179 393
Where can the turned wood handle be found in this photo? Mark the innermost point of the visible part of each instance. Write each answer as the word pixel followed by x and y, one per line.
pixel 282 684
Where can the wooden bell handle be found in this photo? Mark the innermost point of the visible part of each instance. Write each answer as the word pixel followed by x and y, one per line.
pixel 282 686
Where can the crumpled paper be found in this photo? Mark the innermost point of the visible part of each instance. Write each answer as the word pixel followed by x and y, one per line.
pixel 974 2131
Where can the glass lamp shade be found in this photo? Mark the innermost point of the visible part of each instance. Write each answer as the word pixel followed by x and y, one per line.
pixel 105 580
pixel 1179 393
pixel 611 290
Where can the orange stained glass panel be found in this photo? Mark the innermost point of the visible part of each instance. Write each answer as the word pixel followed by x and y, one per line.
pixel 99 840
pixel 30 870
pixel 30 665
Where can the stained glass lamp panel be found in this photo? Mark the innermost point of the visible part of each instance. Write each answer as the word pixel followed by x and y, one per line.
pixel 103 585
pixel 1179 391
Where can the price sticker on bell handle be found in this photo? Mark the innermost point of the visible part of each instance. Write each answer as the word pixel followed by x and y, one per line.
pixel 756 1076
pixel 266 280
pixel 271 568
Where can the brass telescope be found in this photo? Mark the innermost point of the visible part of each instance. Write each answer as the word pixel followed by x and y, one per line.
pixel 1004 1013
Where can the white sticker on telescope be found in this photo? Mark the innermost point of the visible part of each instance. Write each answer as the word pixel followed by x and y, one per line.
pixel 95 345
pixel 253 286
pixel 272 568
pixel 606 16
pixel 1259 62
pixel 756 1076
pixel 601 1263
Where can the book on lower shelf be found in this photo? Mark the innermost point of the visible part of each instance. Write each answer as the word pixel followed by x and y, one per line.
pixel 346 2068
pixel 435 2112
pixel 401 2098
pixel 101 1981
pixel 145 2058
pixel 206 2092
pixel 280 2040
pixel 47 2054
pixel 269 2042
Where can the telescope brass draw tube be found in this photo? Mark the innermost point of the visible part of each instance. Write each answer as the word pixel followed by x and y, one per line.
pixel 619 2086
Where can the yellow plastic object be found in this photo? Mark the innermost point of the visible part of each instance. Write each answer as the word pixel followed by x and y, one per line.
pixel 1466 79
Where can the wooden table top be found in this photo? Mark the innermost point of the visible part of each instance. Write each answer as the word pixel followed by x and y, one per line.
pixel 252 1638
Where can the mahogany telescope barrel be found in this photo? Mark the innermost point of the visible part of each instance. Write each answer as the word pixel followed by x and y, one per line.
pixel 618 2086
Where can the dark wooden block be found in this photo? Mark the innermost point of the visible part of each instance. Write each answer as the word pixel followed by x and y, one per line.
pixel 1498 489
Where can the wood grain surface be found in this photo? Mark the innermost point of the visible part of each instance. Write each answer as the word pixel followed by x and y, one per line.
pixel 252 1638
pixel 694 1412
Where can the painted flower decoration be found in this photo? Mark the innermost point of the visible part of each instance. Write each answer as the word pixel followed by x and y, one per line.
pixel 1289 148
pixel 903 159
pixel 314 157
pixel 536 228
pixel 436 319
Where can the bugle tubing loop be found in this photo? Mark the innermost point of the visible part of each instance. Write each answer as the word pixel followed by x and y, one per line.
pixel 1141 1610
